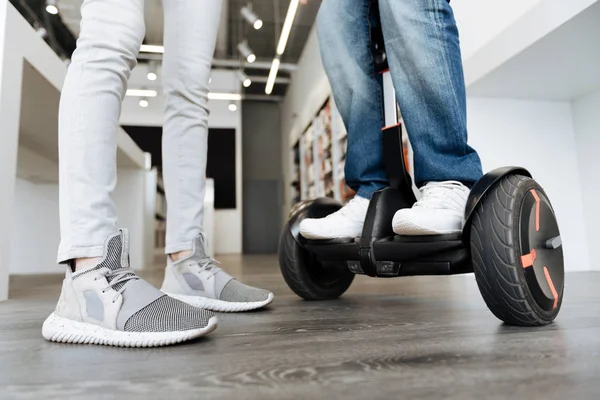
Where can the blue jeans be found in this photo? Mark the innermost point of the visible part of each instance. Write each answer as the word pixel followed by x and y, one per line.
pixel 422 46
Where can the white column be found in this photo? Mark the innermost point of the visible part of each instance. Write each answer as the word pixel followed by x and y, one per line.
pixel 10 104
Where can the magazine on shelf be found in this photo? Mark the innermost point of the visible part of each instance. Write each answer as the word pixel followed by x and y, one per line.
pixel 318 158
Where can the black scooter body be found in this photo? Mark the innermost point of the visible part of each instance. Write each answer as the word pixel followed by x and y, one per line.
pixel 379 252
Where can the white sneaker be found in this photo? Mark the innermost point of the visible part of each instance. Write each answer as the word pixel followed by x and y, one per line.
pixel 109 304
pixel 346 222
pixel 197 280
pixel 440 210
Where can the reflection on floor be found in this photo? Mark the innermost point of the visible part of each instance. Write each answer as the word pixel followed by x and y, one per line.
pixel 424 337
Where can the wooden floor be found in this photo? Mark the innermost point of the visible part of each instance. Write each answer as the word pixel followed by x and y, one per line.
pixel 408 338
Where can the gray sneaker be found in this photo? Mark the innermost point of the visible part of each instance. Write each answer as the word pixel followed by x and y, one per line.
pixel 109 304
pixel 198 281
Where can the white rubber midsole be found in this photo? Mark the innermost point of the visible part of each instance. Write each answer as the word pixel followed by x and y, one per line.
pixel 221 305
pixel 59 329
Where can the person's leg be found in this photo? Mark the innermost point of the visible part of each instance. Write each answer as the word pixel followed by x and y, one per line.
pixel 190 36
pixel 105 302
pixel 344 29
pixel 90 106
pixel 423 52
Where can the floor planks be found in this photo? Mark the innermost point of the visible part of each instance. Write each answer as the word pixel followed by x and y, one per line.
pixel 420 337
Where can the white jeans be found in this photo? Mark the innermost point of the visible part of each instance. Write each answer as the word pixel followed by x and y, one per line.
pixel 111 34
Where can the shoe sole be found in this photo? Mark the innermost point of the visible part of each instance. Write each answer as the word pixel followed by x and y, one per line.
pixel 221 305
pixel 64 330
pixel 408 229
pixel 316 236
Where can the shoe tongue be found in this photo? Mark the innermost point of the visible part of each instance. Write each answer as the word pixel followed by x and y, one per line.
pixel 199 253
pixel 116 255
pixel 116 250
pixel 199 247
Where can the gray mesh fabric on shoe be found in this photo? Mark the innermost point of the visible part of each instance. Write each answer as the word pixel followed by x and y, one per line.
pixel 113 250
pixel 238 292
pixel 167 314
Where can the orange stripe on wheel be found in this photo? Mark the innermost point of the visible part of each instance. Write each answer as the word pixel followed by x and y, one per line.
pixel 527 260
pixel 552 288
pixel 537 209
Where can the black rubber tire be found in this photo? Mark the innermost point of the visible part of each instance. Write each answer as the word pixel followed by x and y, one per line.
pixel 306 276
pixel 496 254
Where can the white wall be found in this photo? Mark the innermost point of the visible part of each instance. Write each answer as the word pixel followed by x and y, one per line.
pixel 35 235
pixel 537 73
pixel 34 250
pixel 540 137
pixel 586 118
pixel 495 32
pixel 479 21
pixel 3 10
pixel 228 223
pixel 6 179
pixel 29 47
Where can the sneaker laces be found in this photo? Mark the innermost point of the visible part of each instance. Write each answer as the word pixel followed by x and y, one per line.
pixel 115 277
pixel 435 194
pixel 208 264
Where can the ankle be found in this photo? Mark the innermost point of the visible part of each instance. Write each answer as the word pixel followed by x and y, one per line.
pixel 180 255
pixel 81 264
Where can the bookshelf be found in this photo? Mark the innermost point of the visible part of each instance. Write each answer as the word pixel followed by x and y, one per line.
pixel 319 157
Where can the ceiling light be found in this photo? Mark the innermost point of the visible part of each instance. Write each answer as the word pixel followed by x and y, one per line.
pixel 247 52
pixel 141 93
pixel 272 76
pixel 51 7
pixel 232 107
pixel 246 81
pixel 251 17
pixel 151 75
pixel 144 103
pixel 287 26
pixel 150 48
pixel 225 96
pixel 212 96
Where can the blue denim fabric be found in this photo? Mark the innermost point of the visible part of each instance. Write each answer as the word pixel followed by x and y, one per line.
pixel 422 46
